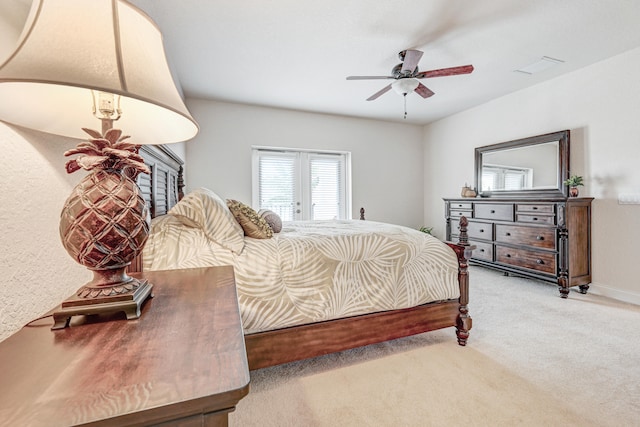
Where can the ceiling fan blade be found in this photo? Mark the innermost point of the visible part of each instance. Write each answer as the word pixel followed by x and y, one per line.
pixel 380 92
pixel 411 59
pixel 369 77
pixel 423 91
pixel 463 69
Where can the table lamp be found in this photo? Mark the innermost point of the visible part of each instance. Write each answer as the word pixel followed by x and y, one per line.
pixel 78 60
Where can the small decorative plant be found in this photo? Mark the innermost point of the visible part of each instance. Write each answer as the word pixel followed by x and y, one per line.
pixel 426 229
pixel 574 181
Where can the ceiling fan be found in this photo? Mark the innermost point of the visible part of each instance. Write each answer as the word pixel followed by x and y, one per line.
pixel 406 75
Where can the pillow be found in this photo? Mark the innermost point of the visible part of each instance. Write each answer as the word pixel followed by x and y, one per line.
pixel 204 209
pixel 252 224
pixel 272 219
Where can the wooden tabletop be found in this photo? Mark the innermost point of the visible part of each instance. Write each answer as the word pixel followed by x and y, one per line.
pixel 184 356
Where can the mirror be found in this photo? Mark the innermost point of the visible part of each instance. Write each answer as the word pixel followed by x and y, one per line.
pixel 530 167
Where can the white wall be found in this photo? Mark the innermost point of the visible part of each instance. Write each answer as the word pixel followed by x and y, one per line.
pixel 600 105
pixel 387 166
pixel 37 273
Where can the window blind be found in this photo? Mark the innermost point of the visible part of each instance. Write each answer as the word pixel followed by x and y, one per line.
pixel 326 187
pixel 300 185
pixel 276 183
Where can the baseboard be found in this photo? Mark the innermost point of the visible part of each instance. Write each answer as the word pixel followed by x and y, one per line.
pixel 624 296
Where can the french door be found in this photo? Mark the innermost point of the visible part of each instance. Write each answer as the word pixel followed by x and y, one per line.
pixel 302 185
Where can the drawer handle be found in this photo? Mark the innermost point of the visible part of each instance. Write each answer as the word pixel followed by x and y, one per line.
pixel 481 250
pixel 508 255
pixel 539 237
pixel 535 208
pixel 535 219
pixel 507 234
pixel 540 262
pixel 482 230
pixel 493 211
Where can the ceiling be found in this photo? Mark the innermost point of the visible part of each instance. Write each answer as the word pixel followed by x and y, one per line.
pixel 296 54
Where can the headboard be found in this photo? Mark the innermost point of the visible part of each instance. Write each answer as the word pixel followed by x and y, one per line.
pixel 163 187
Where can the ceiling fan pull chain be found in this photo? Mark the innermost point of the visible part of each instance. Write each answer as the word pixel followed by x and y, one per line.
pixel 405 106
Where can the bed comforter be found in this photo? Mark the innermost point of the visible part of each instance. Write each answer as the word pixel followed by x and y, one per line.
pixel 311 271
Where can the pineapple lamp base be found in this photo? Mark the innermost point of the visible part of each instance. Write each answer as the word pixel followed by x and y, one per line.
pixel 95 297
pixel 104 225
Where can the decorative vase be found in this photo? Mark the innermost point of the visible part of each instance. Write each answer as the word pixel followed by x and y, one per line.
pixel 103 226
pixel 573 191
pixel 468 192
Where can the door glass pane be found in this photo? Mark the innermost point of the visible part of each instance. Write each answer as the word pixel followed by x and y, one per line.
pixel 325 185
pixel 277 184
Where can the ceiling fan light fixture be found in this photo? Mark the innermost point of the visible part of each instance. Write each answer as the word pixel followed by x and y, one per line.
pixel 405 86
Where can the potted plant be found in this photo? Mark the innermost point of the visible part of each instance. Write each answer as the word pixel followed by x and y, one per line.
pixel 573 182
pixel 427 230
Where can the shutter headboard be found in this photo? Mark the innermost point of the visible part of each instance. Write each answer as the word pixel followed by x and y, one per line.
pixel 162 188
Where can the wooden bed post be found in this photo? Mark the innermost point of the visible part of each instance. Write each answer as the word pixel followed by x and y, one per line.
pixel 463 251
pixel 180 183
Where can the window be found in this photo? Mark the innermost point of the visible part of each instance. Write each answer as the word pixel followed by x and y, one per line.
pixel 300 185
pixel 506 178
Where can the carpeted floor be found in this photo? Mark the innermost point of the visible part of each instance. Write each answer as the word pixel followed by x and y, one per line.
pixel 533 359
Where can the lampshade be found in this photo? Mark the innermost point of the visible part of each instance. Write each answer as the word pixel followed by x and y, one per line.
pixel 405 86
pixel 69 48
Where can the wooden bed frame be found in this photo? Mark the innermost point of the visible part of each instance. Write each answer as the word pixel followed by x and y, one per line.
pixel 163 188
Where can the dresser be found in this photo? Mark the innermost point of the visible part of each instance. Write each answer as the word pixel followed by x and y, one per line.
pixel 183 362
pixel 545 239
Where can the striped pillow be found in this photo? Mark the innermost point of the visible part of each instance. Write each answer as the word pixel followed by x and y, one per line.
pixel 204 209
pixel 272 218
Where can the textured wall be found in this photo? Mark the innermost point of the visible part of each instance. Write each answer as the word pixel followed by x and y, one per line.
pixel 36 271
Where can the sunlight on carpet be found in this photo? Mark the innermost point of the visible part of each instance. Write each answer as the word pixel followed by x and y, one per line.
pixel 435 385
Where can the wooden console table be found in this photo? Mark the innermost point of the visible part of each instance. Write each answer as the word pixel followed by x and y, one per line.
pixel 183 362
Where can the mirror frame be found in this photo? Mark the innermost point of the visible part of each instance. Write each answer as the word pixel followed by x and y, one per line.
pixel 562 191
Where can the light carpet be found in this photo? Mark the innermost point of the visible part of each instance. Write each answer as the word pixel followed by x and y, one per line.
pixel 533 359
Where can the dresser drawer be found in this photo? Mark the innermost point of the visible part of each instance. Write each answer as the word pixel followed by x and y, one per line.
pixel 475 230
pixel 480 230
pixel 536 219
pixel 459 205
pixel 458 214
pixel 535 208
pixel 494 211
pixel 482 251
pixel 531 259
pixel 539 237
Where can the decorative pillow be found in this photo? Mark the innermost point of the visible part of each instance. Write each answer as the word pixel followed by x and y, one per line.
pixel 252 224
pixel 204 209
pixel 272 219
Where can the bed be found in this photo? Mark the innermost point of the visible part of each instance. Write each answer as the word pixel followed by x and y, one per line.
pixel 310 289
